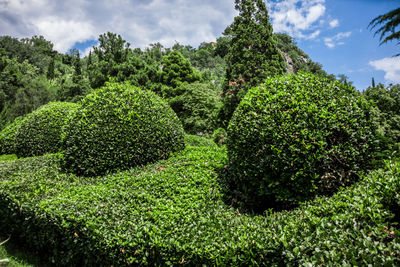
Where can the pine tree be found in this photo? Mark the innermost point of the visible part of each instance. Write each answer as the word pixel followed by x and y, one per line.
pixel 176 71
pixel 253 54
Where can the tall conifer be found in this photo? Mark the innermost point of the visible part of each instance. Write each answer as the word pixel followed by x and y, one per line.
pixel 253 54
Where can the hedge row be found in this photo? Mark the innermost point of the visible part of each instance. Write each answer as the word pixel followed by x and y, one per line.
pixel 40 132
pixel 7 137
pixel 171 212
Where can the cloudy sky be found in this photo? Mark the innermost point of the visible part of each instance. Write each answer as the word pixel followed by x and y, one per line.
pixel 332 32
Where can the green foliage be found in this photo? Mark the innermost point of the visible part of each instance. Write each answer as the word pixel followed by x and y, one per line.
pixel 206 59
pixel 294 136
pixel 50 70
pixel 111 53
pixel 219 136
pixel 73 89
pixel 176 71
pixel 171 213
pixel 8 157
pixel 391 21
pixel 253 54
pixel 117 127
pixel 297 60
pixel 196 106
pixel 37 51
pixel 386 115
pixel 40 132
pixel 7 137
pixel 195 140
pixel 22 89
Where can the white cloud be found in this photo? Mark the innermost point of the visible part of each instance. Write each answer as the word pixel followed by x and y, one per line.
pixel 140 22
pixel 334 23
pixel 87 51
pixel 302 19
pixel 335 40
pixel 391 67
pixel 68 32
pixel 314 34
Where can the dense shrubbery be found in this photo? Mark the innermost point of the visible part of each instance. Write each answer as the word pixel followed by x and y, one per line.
pixel 117 127
pixel 7 137
pixel 197 107
pixel 40 132
pixel 386 115
pixel 219 136
pixel 194 140
pixel 295 135
pixel 171 212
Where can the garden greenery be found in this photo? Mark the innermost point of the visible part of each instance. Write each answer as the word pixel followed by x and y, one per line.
pixel 294 136
pixel 40 132
pixel 7 137
pixel 171 213
pixel 117 127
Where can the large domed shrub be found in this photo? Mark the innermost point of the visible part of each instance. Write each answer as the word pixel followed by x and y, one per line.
pixel 295 136
pixel 40 132
pixel 117 127
pixel 7 137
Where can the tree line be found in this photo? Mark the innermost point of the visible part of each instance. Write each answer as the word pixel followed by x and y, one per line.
pixel 203 85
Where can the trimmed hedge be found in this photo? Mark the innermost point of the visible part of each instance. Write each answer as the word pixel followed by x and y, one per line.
pixel 118 127
pixel 40 132
pixel 295 136
pixel 7 137
pixel 171 213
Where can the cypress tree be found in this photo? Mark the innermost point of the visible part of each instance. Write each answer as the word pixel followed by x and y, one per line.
pixel 89 61
pixel 253 54
pixel 78 64
pixel 50 69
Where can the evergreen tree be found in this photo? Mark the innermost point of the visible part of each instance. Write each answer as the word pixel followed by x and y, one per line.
pixel 50 70
pixel 89 61
pixel 78 65
pixel 253 54
pixel 176 70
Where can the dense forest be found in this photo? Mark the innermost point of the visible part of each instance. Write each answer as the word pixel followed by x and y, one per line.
pixel 33 74
pixel 191 79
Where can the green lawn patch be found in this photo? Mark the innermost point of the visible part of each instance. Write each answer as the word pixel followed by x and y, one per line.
pixel 172 212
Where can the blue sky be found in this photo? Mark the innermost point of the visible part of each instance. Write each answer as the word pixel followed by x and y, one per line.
pixel 332 32
pixel 355 56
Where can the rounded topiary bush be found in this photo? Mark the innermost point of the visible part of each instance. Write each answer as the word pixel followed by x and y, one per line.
pixel 295 136
pixel 117 127
pixel 40 132
pixel 7 137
